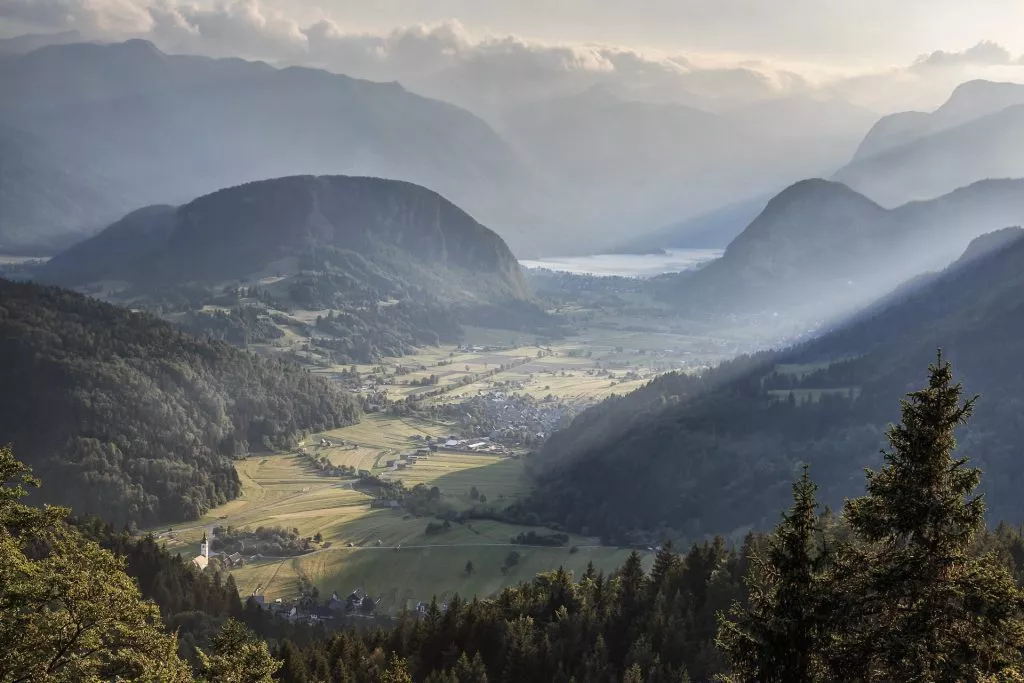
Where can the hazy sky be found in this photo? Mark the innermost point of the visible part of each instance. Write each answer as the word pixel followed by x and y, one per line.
pixel 882 54
pixel 842 32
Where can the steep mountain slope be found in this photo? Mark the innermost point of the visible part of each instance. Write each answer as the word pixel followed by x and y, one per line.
pixel 379 227
pixel 969 101
pixel 821 249
pixel 163 128
pixel 720 458
pixel 991 146
pixel 127 417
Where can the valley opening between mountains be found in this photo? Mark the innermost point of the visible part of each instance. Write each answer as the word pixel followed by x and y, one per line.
pixel 354 383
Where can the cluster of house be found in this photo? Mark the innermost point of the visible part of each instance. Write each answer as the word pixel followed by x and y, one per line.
pixel 404 461
pixel 498 418
pixel 357 603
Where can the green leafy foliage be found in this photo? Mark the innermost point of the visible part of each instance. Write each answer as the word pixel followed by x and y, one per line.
pixel 68 612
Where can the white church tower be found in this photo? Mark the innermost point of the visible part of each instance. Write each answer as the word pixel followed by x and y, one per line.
pixel 203 559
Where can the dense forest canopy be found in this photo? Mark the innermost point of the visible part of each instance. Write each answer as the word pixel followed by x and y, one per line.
pixel 131 419
pixel 720 459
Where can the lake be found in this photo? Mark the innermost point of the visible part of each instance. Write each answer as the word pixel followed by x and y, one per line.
pixel 627 265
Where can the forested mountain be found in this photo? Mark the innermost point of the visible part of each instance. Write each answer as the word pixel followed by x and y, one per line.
pixel 163 129
pixel 821 250
pixel 978 134
pixel 395 266
pixel 969 101
pixel 375 230
pixel 129 418
pixel 719 460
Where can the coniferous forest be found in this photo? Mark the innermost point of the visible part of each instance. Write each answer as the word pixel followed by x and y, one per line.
pixel 134 419
pixel 903 583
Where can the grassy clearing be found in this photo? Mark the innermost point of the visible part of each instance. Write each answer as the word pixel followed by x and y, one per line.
pixel 403 577
pixel 280 490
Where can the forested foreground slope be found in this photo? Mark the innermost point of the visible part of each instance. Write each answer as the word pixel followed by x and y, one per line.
pixel 907 584
pixel 129 418
pixel 696 460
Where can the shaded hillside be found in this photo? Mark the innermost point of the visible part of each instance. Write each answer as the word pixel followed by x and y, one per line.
pixel 720 460
pixel 378 232
pixel 164 129
pixel 128 418
pixel 930 165
pixel 969 101
pixel 821 250
pixel 399 266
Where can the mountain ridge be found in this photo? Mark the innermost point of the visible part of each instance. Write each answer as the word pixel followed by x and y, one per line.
pixel 822 247
pixel 717 456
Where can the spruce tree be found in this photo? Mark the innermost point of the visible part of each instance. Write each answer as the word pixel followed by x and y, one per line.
pixel 911 601
pixel 776 637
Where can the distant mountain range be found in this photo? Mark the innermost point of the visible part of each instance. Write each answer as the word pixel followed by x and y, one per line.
pixel 977 134
pixel 137 127
pixel 156 128
pixel 825 250
pixel 623 165
pixel 718 455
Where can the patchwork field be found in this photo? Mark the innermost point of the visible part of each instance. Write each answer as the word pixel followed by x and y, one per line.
pixel 386 552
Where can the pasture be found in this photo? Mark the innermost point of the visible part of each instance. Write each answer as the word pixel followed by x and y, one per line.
pixel 408 564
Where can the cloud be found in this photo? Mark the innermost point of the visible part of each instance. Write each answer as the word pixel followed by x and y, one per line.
pixel 106 17
pixel 238 28
pixel 445 59
pixel 985 53
pixel 441 58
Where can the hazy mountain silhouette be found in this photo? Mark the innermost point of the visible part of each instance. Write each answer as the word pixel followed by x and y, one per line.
pixel 621 165
pixel 34 41
pixel 711 230
pixel 162 129
pixel 976 135
pixel 969 101
pixel 826 250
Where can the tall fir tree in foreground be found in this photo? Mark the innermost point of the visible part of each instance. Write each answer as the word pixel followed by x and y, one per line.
pixel 909 600
pixel 776 636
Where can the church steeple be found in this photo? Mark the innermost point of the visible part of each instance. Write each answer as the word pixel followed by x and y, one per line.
pixel 204 547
